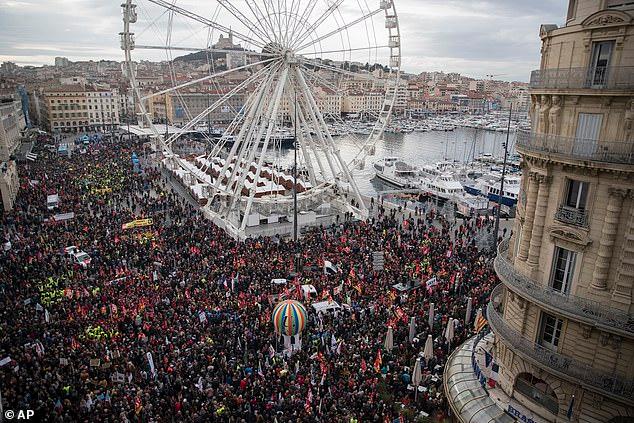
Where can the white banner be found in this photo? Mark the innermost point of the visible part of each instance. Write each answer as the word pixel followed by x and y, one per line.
pixel 432 282
pixel 151 361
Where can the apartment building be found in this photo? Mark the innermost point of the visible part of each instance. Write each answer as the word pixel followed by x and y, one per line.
pixel 562 320
pixel 12 123
pixel 80 108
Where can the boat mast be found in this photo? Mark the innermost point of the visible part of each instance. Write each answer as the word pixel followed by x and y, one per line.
pixel 501 193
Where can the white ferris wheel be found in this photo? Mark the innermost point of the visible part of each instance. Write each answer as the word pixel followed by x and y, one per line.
pixel 261 72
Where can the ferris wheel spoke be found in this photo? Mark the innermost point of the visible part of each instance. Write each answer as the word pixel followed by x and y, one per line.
pixel 205 21
pixel 324 16
pixel 204 78
pixel 313 114
pixel 256 28
pixel 270 19
pixel 302 145
pixel 217 104
pixel 337 118
pixel 261 16
pixel 284 14
pixel 304 17
pixel 340 29
pixel 274 19
pixel 356 139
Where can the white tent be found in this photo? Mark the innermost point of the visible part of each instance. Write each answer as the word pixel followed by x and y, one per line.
pixel 308 290
pixel 389 339
pixel 412 328
pixel 329 268
pixel 428 352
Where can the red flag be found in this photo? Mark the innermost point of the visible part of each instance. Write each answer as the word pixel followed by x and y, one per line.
pixel 309 400
pixel 378 362
pixel 137 405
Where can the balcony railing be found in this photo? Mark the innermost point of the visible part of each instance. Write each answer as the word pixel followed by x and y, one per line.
pixel 612 78
pixel 577 148
pixel 572 216
pixel 577 308
pixel 559 364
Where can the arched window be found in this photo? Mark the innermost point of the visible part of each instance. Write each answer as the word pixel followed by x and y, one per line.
pixel 537 391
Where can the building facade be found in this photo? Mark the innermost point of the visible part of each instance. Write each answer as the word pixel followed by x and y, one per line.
pixel 80 108
pixel 12 123
pixel 563 316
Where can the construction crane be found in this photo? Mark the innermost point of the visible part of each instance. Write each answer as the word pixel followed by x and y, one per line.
pixel 494 76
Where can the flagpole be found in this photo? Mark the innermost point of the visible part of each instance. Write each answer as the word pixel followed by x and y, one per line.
pixel 295 223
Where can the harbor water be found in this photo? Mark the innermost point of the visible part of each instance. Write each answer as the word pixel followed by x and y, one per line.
pixel 417 149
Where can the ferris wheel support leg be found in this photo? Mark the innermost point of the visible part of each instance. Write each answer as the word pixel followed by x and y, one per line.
pixel 271 124
pixel 247 127
pixel 299 130
pixel 311 143
pixel 311 109
pixel 331 145
pixel 250 145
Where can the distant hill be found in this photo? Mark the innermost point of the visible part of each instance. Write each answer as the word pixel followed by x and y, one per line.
pixel 202 56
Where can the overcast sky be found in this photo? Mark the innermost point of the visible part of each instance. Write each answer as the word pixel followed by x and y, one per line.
pixel 473 37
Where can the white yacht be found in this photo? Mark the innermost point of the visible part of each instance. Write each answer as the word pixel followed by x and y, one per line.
pixel 443 186
pixel 396 172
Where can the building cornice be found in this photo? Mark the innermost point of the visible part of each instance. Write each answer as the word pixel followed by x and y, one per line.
pixel 605 18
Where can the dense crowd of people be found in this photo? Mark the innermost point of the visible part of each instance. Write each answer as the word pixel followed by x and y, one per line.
pixel 171 321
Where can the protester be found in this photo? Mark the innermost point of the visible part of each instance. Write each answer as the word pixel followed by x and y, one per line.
pixel 171 321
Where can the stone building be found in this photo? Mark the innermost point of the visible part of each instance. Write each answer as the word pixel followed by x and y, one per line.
pixel 563 317
pixel 12 124
pixel 79 108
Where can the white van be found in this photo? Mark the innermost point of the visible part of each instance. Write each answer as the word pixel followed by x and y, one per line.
pixel 325 306
pixel 52 201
